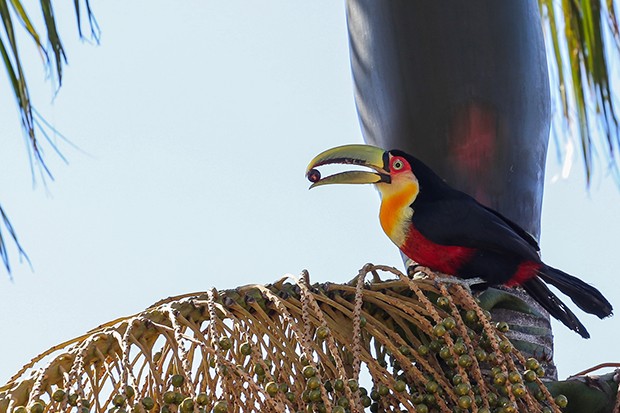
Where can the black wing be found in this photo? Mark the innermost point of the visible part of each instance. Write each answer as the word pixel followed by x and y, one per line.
pixel 522 233
pixel 465 222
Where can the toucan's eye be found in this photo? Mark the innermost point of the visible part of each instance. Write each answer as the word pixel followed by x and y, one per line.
pixel 397 164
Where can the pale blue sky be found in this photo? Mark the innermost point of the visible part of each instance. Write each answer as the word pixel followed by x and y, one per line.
pixel 197 119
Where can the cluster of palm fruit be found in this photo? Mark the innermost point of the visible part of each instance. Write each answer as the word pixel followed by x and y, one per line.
pixel 403 344
pixel 477 370
pixel 126 401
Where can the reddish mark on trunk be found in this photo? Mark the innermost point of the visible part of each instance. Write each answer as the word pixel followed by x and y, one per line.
pixel 473 133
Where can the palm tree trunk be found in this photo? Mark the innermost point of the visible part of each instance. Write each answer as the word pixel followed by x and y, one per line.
pixel 462 85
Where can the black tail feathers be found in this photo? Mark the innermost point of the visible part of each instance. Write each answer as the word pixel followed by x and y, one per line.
pixel 586 297
pixel 556 308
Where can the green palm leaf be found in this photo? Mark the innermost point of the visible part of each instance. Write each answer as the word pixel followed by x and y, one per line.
pixel 3 251
pixel 586 45
pixel 13 13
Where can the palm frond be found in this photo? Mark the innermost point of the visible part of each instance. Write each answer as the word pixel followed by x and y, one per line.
pixel 288 347
pixel 584 41
pixel 13 14
pixel 4 220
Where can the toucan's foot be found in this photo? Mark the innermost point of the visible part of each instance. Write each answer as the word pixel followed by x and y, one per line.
pixel 417 271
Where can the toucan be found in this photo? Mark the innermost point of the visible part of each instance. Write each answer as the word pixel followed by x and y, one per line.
pixel 448 231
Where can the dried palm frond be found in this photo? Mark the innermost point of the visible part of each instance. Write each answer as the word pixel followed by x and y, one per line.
pixel 290 347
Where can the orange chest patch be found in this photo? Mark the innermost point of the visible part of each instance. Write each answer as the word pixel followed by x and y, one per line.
pixel 396 212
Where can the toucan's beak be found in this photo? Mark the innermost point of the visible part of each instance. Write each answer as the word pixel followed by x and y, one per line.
pixel 363 155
